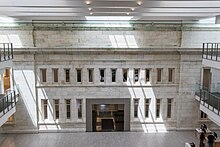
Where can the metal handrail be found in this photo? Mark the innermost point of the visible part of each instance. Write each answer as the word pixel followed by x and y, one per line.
pixel 209 100
pixel 211 51
pixel 6 51
pixel 7 102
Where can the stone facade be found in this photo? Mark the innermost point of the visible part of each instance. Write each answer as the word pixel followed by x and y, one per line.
pixel 96 49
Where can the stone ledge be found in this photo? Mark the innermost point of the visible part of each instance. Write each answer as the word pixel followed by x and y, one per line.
pixel 105 85
pixel 88 50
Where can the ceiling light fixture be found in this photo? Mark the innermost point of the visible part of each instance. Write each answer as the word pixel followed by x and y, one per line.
pixel 91 13
pixel 139 3
pixel 90 9
pixel 128 13
pixel 88 2
pixel 132 9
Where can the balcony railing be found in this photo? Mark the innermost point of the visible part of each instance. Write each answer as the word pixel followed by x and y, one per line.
pixel 6 51
pixel 211 51
pixel 198 87
pixel 210 100
pixel 7 102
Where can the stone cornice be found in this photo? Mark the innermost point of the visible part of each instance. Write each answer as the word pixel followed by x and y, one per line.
pixel 113 27
pixel 158 50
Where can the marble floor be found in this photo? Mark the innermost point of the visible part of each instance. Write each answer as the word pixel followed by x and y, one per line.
pixel 103 139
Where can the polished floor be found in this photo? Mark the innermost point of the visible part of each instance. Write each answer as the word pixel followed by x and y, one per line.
pixel 103 139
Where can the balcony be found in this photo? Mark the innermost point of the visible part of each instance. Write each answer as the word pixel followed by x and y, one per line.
pixel 211 51
pixel 7 106
pixel 209 103
pixel 6 51
pixel 6 55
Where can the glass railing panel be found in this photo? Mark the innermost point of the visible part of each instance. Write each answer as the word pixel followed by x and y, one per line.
pixel 218 87
pixel 210 100
pixel 197 89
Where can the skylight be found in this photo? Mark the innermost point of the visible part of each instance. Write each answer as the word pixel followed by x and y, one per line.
pixel 109 18
pixel 6 19
pixel 208 20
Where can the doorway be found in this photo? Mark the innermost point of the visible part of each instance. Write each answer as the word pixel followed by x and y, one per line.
pixel 6 78
pixel 206 79
pixel 107 117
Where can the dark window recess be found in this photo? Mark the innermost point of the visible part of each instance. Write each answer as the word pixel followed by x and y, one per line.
pixel 136 75
pixel 170 74
pixel 159 74
pixel 147 106
pixel 90 75
pixel 136 102
pixel 68 112
pixel 102 75
pixel 56 102
pixel 44 75
pixel 158 108
pixel 55 75
pixel 125 75
pixel 79 107
pixel 45 109
pixel 67 72
pixel 147 75
pixel 113 75
pixel 169 107
pixel 79 75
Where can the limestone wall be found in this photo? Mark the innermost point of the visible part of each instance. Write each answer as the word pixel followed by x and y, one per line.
pixel 158 46
pixel 190 66
pixel 134 36
pixel 186 65
pixel 114 39
pixel 195 38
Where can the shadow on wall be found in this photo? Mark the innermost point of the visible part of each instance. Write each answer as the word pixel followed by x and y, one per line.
pixel 26 86
pixel 49 123
pixel 150 124
pixel 138 90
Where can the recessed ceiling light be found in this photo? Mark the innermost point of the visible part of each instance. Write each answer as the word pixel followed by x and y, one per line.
pixel 128 13
pixel 132 9
pixel 139 3
pixel 88 2
pixel 91 13
pixel 90 9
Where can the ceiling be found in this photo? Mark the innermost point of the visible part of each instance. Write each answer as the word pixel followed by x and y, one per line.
pixel 29 10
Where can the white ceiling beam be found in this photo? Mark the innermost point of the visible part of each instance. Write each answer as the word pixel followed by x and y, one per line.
pixel 138 10
pixel 113 14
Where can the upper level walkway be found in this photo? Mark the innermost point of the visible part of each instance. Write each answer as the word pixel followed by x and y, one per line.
pixel 6 55
pixel 6 51
pixel 7 106
pixel 211 51
pixel 211 55
pixel 209 103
